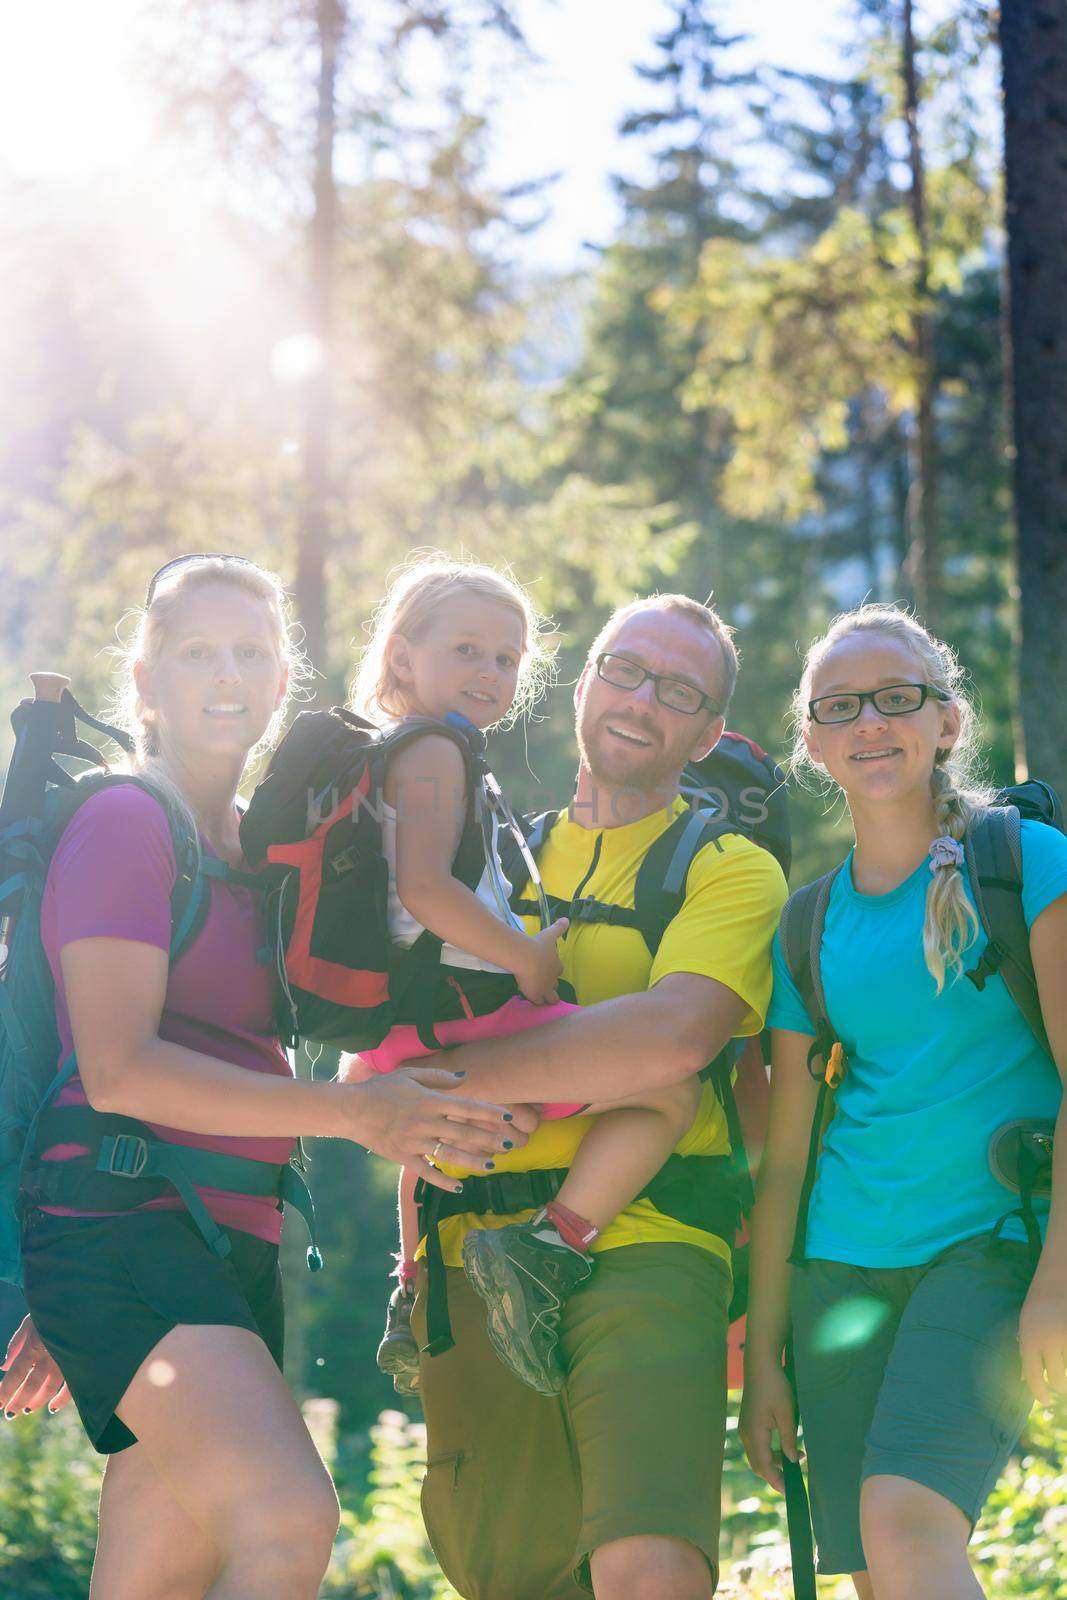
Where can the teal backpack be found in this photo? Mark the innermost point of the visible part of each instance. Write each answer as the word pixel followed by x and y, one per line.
pixel 126 1164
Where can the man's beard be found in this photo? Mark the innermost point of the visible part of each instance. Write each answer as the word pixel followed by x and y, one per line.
pixel 652 773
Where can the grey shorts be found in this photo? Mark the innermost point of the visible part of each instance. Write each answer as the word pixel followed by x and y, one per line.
pixel 911 1371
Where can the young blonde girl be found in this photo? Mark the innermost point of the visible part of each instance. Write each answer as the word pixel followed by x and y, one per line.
pixel 911 1308
pixel 458 639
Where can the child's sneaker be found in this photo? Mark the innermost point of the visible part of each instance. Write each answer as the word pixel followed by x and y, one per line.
pixel 524 1273
pixel 398 1353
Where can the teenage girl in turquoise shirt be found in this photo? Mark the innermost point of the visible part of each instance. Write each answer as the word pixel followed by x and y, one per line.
pixel 920 1339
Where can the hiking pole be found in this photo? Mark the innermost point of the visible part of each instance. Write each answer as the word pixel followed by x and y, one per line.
pixel 797 1509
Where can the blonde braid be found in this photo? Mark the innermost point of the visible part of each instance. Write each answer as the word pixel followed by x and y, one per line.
pixel 951 924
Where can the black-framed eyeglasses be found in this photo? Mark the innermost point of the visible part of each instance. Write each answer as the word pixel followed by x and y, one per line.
pixel 674 693
pixel 894 700
pixel 183 561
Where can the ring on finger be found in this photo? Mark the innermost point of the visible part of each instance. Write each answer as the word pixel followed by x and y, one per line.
pixel 434 1152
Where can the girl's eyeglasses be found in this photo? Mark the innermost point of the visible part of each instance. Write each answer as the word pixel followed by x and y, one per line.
pixel 895 700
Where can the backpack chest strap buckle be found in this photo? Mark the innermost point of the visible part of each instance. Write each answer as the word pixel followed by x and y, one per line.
pixel 124 1155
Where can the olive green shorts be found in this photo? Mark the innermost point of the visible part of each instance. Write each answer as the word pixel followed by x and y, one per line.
pixel 521 1488
pixel 909 1371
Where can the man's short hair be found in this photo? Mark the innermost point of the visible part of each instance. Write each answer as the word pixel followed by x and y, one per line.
pixel 682 605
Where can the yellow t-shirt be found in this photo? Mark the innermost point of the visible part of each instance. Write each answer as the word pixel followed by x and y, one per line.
pixel 734 893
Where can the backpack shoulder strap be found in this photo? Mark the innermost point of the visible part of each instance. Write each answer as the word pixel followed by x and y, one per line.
pixel 469 861
pixel 659 888
pixel 992 847
pixel 537 830
pixel 190 901
pixel 800 931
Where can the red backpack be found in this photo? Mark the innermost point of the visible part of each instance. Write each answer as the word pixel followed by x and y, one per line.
pixel 314 828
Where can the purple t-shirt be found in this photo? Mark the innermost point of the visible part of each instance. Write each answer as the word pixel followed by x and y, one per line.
pixel 111 877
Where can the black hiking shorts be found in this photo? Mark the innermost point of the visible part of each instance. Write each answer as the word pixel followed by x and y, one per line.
pixel 103 1291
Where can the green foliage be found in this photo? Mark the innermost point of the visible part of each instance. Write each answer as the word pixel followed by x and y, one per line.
pixel 790 342
pixel 49 1481
pixel 49 1486
pixel 382 1548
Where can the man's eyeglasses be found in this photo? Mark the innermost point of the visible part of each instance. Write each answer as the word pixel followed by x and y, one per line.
pixel 895 700
pixel 184 561
pixel 674 693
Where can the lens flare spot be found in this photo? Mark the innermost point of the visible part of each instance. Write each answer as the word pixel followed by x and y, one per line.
pixel 297 358
pixel 848 1325
pixel 161 1373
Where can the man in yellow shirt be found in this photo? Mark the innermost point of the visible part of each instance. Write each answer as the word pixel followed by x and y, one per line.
pixel 613 1486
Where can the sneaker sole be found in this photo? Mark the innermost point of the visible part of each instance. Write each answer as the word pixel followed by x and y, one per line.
pixel 492 1277
pixel 396 1360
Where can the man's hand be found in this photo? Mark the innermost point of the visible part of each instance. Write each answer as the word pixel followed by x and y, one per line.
pixel 31 1378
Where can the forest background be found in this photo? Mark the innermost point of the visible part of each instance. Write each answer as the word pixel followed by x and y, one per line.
pixel 795 377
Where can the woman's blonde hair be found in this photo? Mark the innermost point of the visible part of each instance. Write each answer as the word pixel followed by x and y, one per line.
pixel 414 597
pixel 955 781
pixel 151 625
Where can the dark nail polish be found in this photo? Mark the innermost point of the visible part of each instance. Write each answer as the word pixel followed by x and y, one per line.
pixel 459 1074
pixel 26 1411
pixel 457 1188
pixel 508 1117
pixel 507 1145
pixel 489 1166
pixel 10 1415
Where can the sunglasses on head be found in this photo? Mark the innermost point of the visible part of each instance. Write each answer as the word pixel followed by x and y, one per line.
pixel 184 561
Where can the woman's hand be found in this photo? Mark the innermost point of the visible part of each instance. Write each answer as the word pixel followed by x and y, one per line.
pixel 766 1410
pixel 31 1378
pixel 416 1117
pixel 1043 1337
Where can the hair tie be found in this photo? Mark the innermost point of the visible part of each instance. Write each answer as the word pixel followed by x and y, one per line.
pixel 945 852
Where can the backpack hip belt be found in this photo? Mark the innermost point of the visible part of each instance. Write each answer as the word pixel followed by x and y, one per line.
pixel 125 1166
pixel 699 1191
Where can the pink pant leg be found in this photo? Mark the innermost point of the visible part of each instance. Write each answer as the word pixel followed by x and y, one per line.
pixel 517 1015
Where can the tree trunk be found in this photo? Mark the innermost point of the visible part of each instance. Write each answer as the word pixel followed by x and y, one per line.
pixel 318 392
pixel 1033 38
pixel 927 555
pixel 868 542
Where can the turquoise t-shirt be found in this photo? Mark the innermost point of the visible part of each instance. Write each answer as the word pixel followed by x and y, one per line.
pixel 904 1169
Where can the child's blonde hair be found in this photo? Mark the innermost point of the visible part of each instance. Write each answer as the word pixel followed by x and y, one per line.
pixel 413 598
pixel 955 781
pixel 151 627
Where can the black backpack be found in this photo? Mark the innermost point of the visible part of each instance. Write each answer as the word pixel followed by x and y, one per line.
pixel 1020 1155
pixel 124 1164
pixel 314 829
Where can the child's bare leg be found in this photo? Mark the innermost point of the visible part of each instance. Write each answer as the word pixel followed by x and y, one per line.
pixel 525 1271
pixel 398 1353
pixel 407 1213
pixel 625 1148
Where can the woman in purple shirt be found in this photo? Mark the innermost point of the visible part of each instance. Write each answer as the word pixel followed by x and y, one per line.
pixel 172 1353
